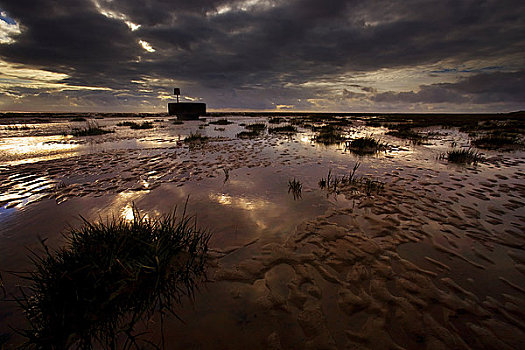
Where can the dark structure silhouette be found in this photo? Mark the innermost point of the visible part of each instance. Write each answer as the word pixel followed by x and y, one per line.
pixel 186 110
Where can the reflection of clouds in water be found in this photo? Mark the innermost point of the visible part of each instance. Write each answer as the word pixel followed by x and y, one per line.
pixel 240 202
pixel 254 206
pixel 123 204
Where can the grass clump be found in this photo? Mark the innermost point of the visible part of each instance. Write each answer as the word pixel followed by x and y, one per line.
pixel 254 130
pixel 464 156
pixel 408 134
pixel 223 121
pixel 351 182
pixel 143 125
pixel 364 145
pixel 275 120
pixel 248 134
pixel 287 129
pixel 495 141
pixel 16 127
pixel 296 188
pixel 137 126
pixel 77 119
pixel 195 138
pixel 91 129
pixel 108 277
pixel 329 135
pixel 256 127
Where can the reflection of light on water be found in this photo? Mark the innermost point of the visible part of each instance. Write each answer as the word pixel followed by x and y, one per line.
pixel 127 213
pixel 305 139
pixel 26 190
pixel 124 204
pixel 239 202
pixel 35 148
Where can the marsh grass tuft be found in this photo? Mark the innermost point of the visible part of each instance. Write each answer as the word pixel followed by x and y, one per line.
pixel 223 121
pixel 108 277
pixel 137 126
pixel 464 156
pixel 196 138
pixel 287 129
pixel 334 184
pixel 256 126
pixel 408 134
pixel 92 129
pixel 296 188
pixel 275 120
pixel 496 141
pixel 364 145
pixel 329 135
pixel 16 128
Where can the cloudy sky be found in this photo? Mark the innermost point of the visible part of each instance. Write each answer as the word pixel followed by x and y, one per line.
pixel 315 55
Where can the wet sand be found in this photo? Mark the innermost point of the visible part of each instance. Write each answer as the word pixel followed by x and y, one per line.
pixel 435 260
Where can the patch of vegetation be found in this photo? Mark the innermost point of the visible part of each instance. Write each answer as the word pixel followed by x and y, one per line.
pixel 334 184
pixel 256 127
pixel 223 121
pixel 137 126
pixel 495 141
pixel 329 135
pixel 196 138
pixel 295 187
pixel 16 127
pixel 126 124
pixel 408 134
pixel 364 145
pixel 91 129
pixel 108 277
pixel 275 120
pixel 287 129
pixel 464 156
pixel 373 123
pixel 248 134
pixel 254 130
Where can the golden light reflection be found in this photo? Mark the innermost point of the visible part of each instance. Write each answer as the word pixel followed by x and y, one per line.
pixel 240 202
pixel 18 150
pixel 124 205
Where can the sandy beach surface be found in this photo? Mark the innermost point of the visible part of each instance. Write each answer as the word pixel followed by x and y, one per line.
pixel 433 260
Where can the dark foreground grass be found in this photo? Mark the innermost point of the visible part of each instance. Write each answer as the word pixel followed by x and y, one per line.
pixel 109 276
pixel 91 129
pixel 464 156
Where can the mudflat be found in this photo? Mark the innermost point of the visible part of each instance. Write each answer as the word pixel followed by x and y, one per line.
pixel 413 241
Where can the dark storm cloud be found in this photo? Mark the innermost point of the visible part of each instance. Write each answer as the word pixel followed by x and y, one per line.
pixel 478 89
pixel 290 42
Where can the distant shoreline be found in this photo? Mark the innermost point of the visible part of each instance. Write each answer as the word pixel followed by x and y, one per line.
pixel 5 115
